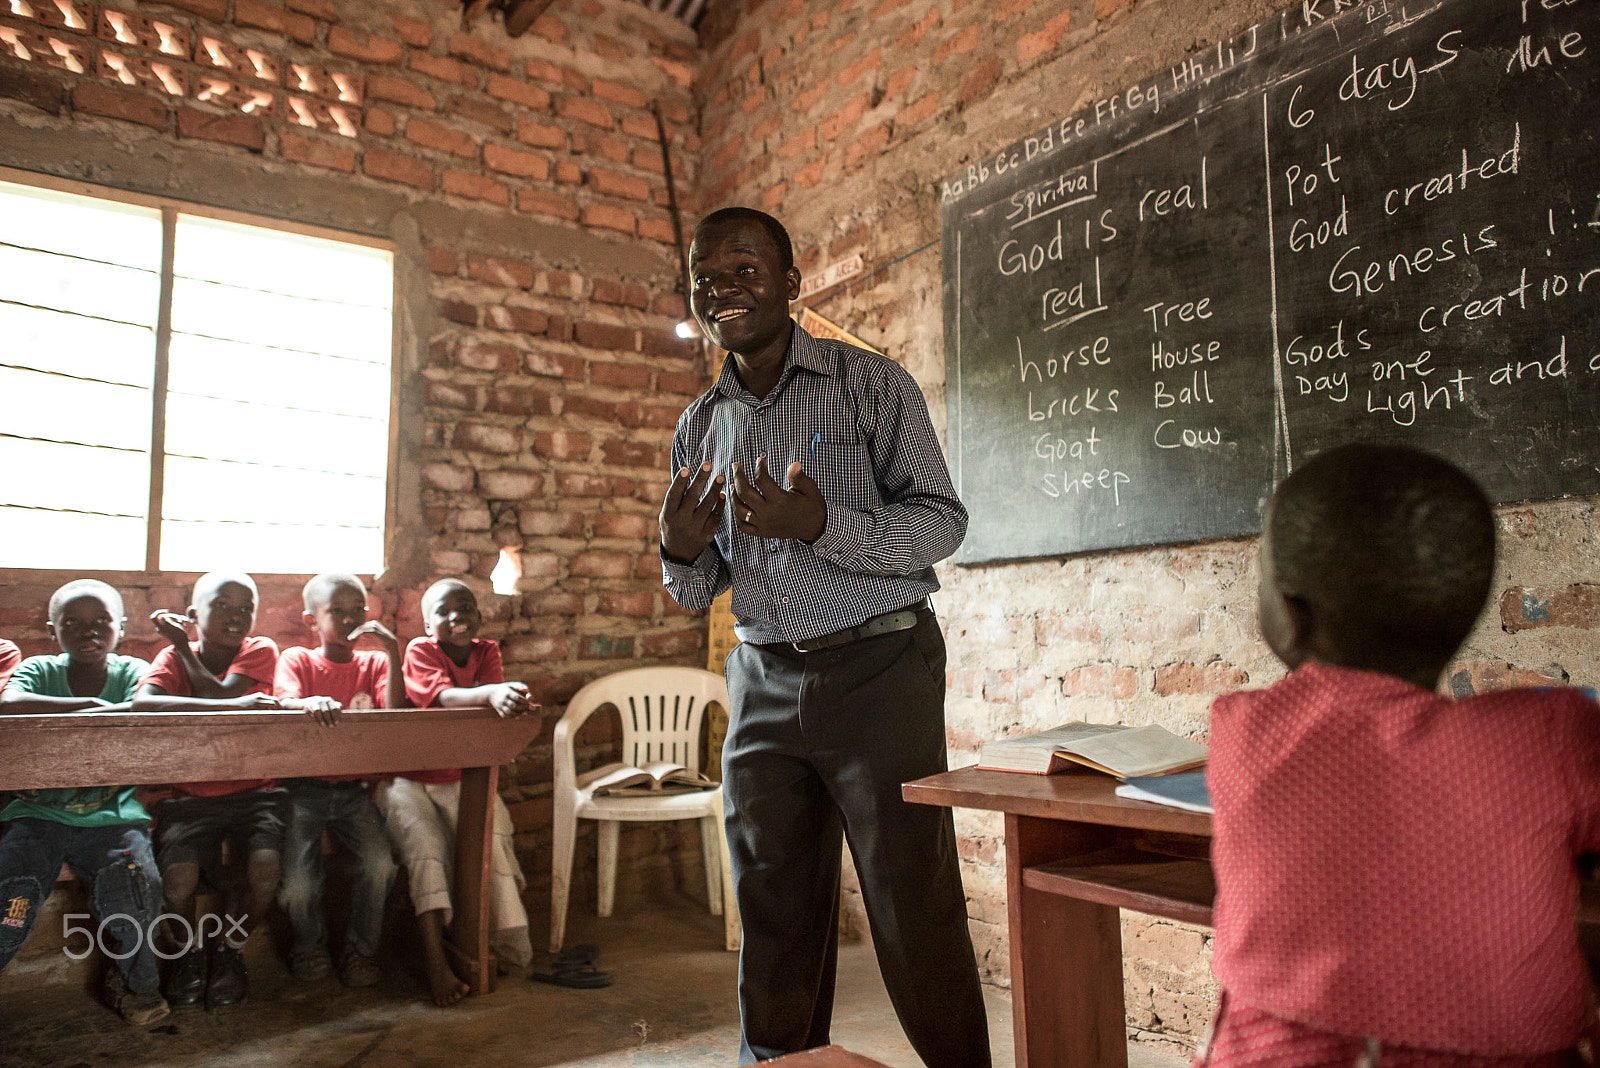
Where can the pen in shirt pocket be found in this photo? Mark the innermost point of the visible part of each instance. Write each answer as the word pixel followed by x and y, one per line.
pixel 814 439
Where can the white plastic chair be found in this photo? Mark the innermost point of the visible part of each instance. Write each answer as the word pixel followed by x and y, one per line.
pixel 662 708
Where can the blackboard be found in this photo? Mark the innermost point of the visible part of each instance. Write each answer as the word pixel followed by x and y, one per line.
pixel 1376 222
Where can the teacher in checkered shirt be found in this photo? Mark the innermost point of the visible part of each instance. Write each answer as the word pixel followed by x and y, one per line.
pixel 808 479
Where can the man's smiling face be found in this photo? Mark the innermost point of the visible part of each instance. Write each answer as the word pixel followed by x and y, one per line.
pixel 741 288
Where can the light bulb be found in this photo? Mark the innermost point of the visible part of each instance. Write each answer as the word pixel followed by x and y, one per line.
pixel 507 572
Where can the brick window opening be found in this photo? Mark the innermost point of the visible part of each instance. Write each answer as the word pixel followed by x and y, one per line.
pixel 186 392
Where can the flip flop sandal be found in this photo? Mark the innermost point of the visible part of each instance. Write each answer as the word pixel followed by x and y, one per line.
pixel 582 974
pixel 587 953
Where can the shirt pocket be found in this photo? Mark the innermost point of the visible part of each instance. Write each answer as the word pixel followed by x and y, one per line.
pixel 842 469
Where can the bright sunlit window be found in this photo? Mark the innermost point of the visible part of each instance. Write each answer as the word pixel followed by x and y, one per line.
pixel 184 393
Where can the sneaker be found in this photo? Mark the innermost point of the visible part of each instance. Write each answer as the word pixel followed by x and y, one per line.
pixel 140 1010
pixel 311 965
pixel 228 983
pixel 187 984
pixel 359 969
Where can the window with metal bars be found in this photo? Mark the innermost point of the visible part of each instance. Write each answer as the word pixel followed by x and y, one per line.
pixel 189 390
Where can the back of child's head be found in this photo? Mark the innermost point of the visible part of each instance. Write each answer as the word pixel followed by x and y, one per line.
pixel 442 589
pixel 321 587
pixel 1391 546
pixel 106 594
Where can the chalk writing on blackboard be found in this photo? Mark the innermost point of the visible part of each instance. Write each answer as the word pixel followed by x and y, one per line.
pixel 1375 222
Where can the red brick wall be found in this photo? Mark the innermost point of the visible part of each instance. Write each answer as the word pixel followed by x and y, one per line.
pixel 521 181
pixel 523 184
pixel 841 117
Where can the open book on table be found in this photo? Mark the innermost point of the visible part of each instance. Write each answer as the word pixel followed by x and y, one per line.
pixel 657 777
pixel 1113 749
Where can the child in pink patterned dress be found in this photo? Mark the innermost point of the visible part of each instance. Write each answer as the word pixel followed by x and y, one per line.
pixel 1395 869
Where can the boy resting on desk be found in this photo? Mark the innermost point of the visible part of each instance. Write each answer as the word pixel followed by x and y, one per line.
pixel 227 669
pixel 1395 869
pixel 335 607
pixel 101 832
pixel 452 667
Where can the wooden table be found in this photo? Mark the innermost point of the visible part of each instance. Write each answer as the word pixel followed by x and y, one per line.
pixel 111 749
pixel 1076 854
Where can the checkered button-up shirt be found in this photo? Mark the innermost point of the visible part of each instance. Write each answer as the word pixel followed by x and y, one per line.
pixel 858 424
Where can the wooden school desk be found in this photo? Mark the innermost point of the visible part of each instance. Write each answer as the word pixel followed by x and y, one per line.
pixel 111 749
pixel 1076 854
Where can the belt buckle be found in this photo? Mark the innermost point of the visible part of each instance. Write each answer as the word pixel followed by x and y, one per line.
pixel 807 646
pixel 850 634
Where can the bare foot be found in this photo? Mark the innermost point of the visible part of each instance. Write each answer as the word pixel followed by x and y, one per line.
pixel 444 984
pixel 446 987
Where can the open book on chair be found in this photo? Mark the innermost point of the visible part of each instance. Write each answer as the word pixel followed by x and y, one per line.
pixel 1116 750
pixel 657 777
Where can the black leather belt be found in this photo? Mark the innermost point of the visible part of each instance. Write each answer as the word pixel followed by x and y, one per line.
pixel 888 623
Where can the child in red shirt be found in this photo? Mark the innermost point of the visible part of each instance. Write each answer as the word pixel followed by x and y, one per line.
pixel 1396 876
pixel 226 669
pixel 10 657
pixel 452 667
pixel 335 608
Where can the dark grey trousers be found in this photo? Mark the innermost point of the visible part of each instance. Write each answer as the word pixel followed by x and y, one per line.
pixel 818 745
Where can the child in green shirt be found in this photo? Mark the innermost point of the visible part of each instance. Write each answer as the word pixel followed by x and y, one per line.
pixel 101 832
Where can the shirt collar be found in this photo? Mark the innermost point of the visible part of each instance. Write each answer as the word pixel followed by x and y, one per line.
pixel 803 352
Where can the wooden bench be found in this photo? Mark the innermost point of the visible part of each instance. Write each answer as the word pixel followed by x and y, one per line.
pixel 112 749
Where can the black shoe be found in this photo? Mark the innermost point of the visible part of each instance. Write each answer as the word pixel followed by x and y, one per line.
pixel 187 984
pixel 228 984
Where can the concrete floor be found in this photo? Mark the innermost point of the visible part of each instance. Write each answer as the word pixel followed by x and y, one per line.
pixel 672 1006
